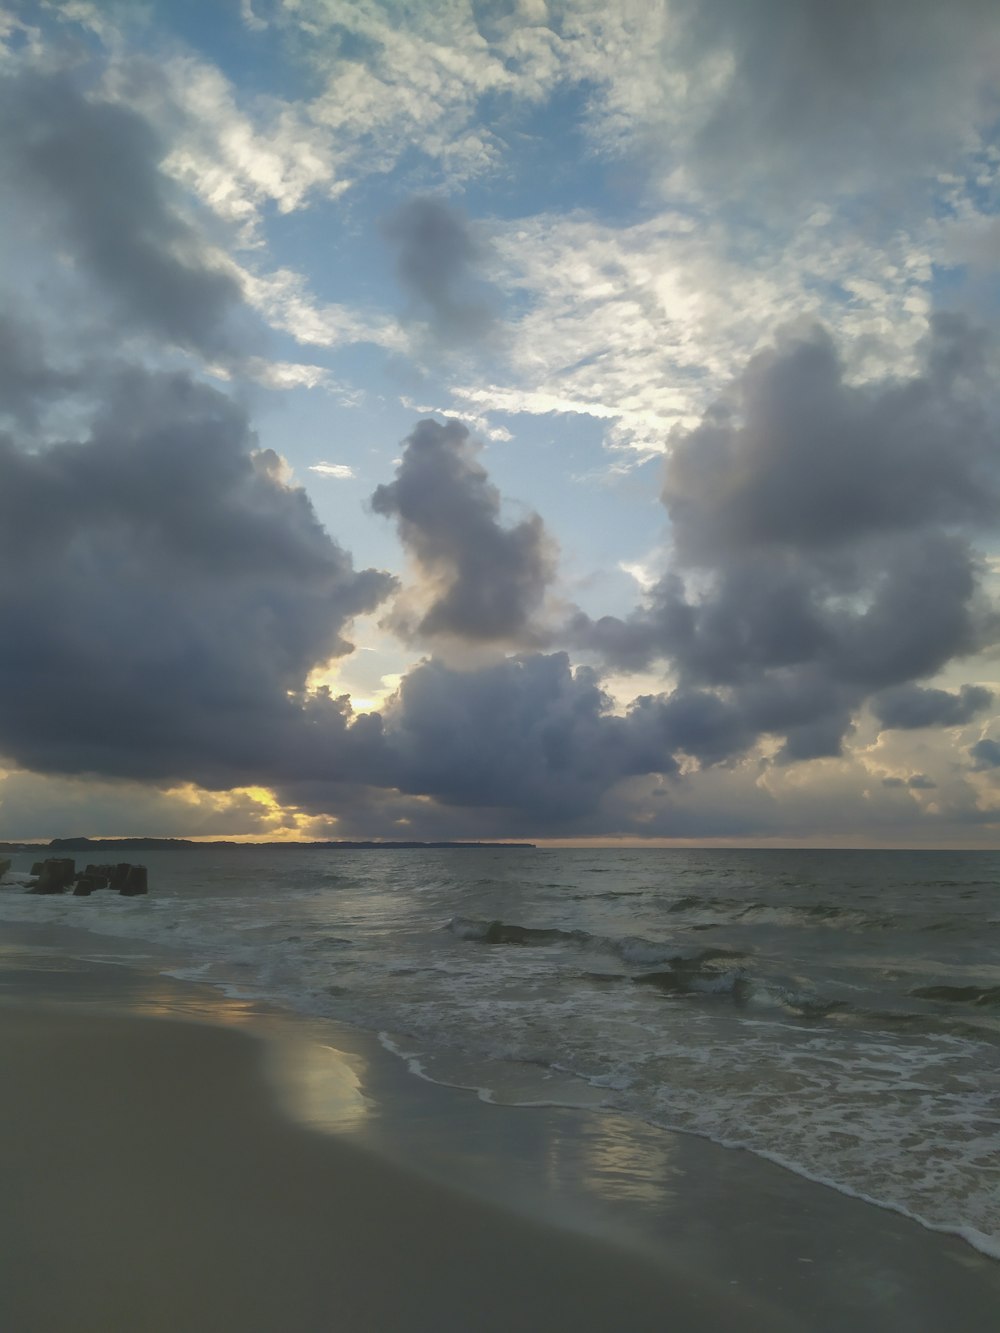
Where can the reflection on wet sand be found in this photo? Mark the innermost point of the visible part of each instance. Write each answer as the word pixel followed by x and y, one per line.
pixel 624 1162
pixel 318 1085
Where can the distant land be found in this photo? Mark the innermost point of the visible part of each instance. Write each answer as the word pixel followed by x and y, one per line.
pixel 171 844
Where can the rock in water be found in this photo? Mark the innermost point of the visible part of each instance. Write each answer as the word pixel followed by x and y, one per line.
pixel 135 882
pixel 118 876
pixel 86 885
pixel 55 876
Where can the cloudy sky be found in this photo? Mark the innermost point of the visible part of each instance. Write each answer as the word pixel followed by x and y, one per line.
pixel 551 419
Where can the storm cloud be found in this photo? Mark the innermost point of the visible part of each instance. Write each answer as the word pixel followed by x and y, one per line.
pixel 481 581
pixel 163 598
pixel 527 733
pixel 27 380
pixel 87 174
pixel 908 707
pixel 168 596
pixel 823 544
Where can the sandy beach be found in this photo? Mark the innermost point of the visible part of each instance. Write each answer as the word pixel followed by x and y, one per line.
pixel 154 1180
pixel 150 1184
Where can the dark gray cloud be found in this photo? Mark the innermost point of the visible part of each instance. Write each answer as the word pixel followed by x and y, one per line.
pixel 163 598
pixel 907 707
pixel 986 754
pixel 823 544
pixel 164 595
pixel 528 744
pixel 820 95
pixel 87 175
pixel 27 380
pixel 527 733
pixel 484 581
pixel 812 463
pixel 439 256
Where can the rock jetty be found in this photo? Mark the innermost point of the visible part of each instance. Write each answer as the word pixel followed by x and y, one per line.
pixel 59 873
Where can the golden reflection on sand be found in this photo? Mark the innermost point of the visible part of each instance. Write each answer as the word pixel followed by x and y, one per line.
pixel 615 1161
pixel 318 1085
pixel 171 1002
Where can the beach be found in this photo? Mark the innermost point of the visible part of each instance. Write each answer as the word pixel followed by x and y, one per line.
pixel 152 1183
pixel 174 1160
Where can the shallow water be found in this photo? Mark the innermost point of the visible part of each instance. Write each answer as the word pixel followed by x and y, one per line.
pixel 838 1012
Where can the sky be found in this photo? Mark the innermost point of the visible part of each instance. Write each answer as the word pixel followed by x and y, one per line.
pixel 566 420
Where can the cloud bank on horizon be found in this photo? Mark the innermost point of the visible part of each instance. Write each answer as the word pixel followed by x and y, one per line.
pixel 530 418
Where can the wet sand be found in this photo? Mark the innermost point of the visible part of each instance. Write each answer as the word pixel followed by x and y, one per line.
pixel 150 1184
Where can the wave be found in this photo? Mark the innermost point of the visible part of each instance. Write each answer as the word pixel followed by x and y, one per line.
pixel 635 950
pixel 697 980
pixel 981 996
pixel 727 975
pixel 740 912
pixel 15 879
pixel 503 932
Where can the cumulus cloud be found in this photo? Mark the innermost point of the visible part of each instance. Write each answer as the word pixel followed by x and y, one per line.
pixel 89 170
pixel 810 462
pixel 481 580
pixel 908 707
pixel 527 733
pixel 438 261
pixel 166 591
pixel 165 595
pixel 822 543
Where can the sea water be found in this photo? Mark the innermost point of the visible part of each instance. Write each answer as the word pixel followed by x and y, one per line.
pixel 837 1012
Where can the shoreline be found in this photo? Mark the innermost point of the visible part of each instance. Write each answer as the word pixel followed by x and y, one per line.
pixel 80 943
pixel 780 1250
pixel 154 1182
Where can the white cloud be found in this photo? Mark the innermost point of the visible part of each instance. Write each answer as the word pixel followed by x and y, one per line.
pixel 641 326
pixel 85 14
pixel 475 420
pixel 281 375
pixel 339 471
pixel 251 20
pixel 17 40
pixel 283 298
pixel 234 159
pixel 644 575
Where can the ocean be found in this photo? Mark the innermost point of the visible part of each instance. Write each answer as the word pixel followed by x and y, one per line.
pixel 836 1012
